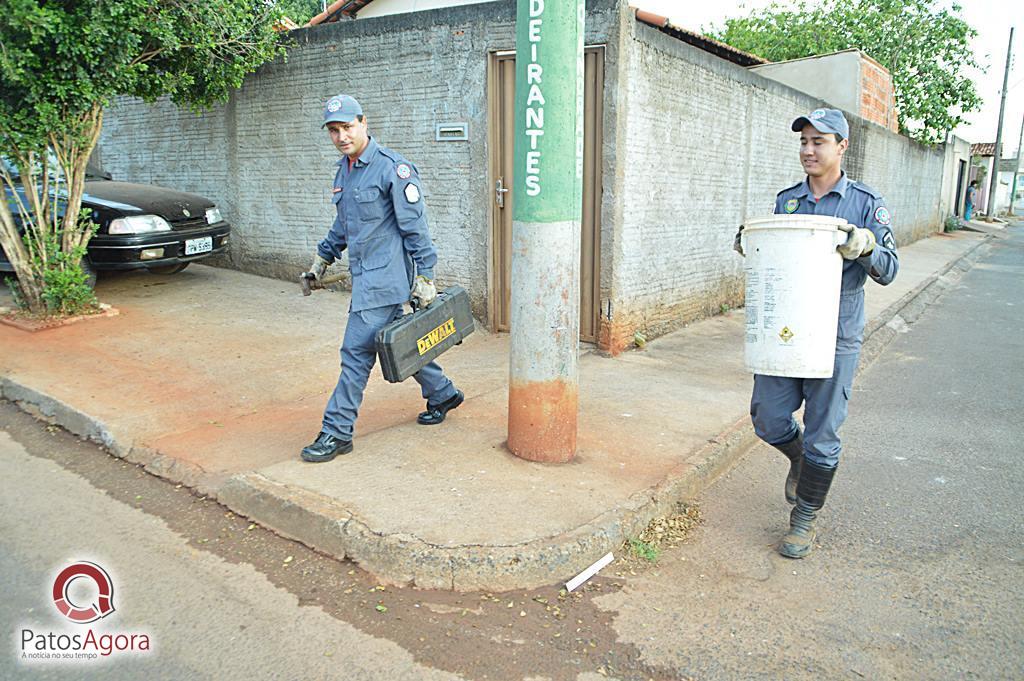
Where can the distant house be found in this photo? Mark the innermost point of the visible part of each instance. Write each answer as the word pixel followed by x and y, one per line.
pixel 849 80
pixel 343 10
pixel 982 164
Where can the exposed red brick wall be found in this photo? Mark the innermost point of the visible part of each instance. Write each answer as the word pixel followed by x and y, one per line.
pixel 877 102
pixel 614 337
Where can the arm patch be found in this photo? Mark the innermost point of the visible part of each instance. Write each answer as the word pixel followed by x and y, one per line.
pixel 412 193
pixel 888 241
pixel 882 216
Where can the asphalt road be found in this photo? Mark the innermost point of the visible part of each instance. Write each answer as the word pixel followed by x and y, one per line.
pixel 221 598
pixel 205 617
pixel 917 575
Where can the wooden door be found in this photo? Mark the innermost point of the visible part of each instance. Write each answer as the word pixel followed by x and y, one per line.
pixel 502 138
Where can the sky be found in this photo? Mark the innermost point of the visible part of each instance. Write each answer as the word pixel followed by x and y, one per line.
pixel 991 18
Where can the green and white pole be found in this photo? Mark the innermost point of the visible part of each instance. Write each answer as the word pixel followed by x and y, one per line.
pixel 543 397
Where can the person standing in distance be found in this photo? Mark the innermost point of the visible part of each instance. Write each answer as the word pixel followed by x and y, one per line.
pixel 383 224
pixel 972 197
pixel 869 251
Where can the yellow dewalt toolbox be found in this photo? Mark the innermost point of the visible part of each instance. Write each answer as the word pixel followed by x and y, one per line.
pixel 414 340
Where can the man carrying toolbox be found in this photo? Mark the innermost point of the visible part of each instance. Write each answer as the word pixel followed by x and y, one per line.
pixel 382 222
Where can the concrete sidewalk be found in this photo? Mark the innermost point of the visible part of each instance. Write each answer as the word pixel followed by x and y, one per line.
pixel 216 379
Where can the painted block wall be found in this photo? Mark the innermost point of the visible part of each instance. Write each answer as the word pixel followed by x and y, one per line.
pixel 709 146
pixel 264 159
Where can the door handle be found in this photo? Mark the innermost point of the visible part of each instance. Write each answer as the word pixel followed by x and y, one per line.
pixel 499 193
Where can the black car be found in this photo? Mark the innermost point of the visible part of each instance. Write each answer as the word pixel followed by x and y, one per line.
pixel 145 227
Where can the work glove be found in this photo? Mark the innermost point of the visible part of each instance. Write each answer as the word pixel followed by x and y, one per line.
pixel 318 267
pixel 424 291
pixel 737 245
pixel 859 242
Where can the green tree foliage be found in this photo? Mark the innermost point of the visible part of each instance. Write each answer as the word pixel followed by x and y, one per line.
pixel 301 11
pixel 926 50
pixel 62 62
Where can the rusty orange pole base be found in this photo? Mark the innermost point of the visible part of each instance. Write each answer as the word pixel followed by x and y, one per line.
pixel 542 421
pixel 547 190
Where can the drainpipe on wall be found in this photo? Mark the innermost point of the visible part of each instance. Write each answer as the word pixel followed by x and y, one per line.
pixel 543 396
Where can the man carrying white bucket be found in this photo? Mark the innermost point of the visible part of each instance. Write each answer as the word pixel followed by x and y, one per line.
pixel 869 250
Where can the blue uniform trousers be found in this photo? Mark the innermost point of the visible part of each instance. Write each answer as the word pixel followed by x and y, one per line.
pixel 775 398
pixel 358 355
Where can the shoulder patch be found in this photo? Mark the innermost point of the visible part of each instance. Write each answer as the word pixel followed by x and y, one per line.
pixel 412 193
pixel 403 170
pixel 882 216
pixel 888 241
pixel 791 205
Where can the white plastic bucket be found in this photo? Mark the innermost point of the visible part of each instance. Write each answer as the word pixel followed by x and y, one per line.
pixel 792 297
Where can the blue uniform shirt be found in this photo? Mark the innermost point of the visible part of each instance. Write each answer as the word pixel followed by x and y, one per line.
pixel 861 206
pixel 383 224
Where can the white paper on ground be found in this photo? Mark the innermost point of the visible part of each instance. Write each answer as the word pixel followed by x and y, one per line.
pixel 589 572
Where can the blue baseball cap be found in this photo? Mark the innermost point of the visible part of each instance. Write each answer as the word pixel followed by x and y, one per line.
pixel 824 120
pixel 341 108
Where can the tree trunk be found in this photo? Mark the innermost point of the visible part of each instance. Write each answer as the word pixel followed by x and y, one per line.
pixel 74 159
pixel 17 254
pixel 32 254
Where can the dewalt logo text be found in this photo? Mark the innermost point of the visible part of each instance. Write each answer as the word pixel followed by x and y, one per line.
pixel 436 336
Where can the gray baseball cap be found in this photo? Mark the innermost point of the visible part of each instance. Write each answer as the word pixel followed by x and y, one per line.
pixel 341 108
pixel 824 120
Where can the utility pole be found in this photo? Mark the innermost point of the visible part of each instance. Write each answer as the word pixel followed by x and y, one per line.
pixel 543 392
pixel 994 180
pixel 1016 167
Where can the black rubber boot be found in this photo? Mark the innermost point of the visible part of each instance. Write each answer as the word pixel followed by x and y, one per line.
pixel 810 498
pixel 794 451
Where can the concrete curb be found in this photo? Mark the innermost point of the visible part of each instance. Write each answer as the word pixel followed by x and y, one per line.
pixel 325 525
pixel 76 422
pixel 52 410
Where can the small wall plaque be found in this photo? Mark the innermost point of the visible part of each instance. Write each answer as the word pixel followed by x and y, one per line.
pixel 452 132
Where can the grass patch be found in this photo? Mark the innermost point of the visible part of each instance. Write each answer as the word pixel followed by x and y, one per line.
pixel 642 550
pixel 662 533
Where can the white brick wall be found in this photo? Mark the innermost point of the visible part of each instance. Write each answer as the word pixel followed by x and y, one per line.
pixel 693 145
pixel 264 158
pixel 708 145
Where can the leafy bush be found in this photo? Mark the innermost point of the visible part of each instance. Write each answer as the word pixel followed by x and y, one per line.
pixel 66 289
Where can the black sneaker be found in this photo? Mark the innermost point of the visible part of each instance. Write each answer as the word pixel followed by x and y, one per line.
pixel 435 413
pixel 326 448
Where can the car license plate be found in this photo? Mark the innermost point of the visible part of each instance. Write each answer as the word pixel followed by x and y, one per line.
pixel 203 245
